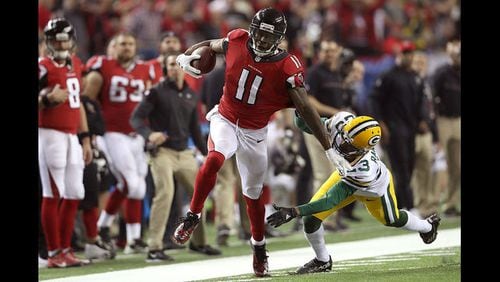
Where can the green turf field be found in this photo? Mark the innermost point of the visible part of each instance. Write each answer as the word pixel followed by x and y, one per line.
pixel 366 229
pixel 430 265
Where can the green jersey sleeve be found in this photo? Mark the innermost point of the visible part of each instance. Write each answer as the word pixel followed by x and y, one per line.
pixel 301 123
pixel 339 192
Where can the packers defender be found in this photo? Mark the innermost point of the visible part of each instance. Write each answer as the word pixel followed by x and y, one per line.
pixel 368 181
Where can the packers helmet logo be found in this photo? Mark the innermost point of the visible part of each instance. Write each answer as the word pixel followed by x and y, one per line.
pixel 374 140
pixel 363 132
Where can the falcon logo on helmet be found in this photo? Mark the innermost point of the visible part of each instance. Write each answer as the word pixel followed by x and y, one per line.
pixel 267 29
pixel 358 136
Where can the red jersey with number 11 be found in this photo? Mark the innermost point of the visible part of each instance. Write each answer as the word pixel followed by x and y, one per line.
pixel 256 87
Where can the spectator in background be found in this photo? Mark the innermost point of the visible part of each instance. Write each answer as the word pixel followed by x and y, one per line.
pixel 61 158
pixel 44 14
pixel 352 72
pixel 447 89
pixel 169 43
pixel 398 101
pixel 119 83
pixel 144 22
pixel 72 12
pixel 170 109
pixel 361 26
pixel 328 96
pixel 426 198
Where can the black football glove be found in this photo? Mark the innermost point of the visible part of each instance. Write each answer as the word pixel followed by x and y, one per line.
pixel 283 215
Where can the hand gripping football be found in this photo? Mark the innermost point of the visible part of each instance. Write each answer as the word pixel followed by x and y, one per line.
pixel 206 63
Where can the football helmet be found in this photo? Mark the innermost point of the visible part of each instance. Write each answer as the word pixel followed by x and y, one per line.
pixel 59 29
pixel 357 136
pixel 335 123
pixel 267 29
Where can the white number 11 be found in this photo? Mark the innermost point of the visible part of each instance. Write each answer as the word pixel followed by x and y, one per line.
pixel 253 89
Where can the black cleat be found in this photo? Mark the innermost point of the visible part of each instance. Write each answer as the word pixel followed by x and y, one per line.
pixel 260 265
pixel 206 250
pixel 158 256
pixel 185 228
pixel 315 266
pixel 107 242
pixel 137 247
pixel 430 236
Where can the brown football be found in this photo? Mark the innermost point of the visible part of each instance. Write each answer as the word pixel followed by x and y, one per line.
pixel 206 63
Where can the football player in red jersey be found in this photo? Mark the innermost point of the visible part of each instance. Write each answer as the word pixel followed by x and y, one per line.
pixel 119 83
pixel 260 79
pixel 61 158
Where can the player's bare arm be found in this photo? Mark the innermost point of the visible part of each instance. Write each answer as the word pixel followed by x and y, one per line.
pixel 323 109
pixel 310 115
pixel 93 84
pixel 215 44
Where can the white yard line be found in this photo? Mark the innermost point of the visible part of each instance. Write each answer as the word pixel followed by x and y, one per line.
pixel 223 267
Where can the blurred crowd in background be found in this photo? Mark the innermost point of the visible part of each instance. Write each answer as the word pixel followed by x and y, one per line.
pixel 369 27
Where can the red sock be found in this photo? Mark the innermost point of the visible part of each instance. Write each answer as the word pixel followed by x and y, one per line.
pixel 67 214
pixel 114 201
pixel 205 180
pixel 256 212
pixel 50 223
pixel 265 197
pixel 133 211
pixel 90 222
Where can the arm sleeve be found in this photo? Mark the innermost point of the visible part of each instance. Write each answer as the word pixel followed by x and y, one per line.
pixel 141 113
pixel 233 34
pixel 294 72
pixel 339 192
pixel 95 63
pixel 300 123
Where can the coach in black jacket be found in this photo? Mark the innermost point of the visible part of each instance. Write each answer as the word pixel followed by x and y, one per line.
pixel 398 103
pixel 170 108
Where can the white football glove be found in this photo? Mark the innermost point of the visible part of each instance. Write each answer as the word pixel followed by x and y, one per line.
pixel 184 62
pixel 338 161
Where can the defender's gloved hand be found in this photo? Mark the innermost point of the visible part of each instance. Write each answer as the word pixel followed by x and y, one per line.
pixel 283 215
pixel 184 62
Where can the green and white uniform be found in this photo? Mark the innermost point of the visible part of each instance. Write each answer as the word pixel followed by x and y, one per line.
pixel 369 181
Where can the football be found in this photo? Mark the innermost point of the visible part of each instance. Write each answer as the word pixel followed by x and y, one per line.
pixel 206 63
